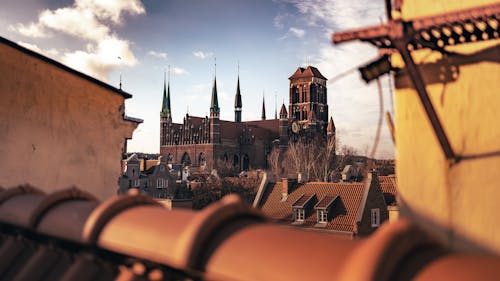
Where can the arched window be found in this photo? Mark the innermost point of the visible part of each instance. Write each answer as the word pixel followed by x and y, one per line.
pixel 170 158
pixel 186 161
pixel 236 161
pixel 225 158
pixel 202 160
pixel 246 162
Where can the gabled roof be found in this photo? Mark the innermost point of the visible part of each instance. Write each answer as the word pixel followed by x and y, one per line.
pixel 283 112
pixel 388 184
pixel 344 212
pixel 303 200
pixel 63 67
pixel 310 71
pixel 326 201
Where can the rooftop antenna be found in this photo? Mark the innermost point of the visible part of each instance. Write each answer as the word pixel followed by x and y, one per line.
pixel 120 75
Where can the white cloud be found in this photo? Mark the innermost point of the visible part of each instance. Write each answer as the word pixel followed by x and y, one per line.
pixel 91 21
pixel 202 55
pixel 31 30
pixel 32 47
pixel 297 32
pixel 160 55
pixel 178 71
pixel 101 59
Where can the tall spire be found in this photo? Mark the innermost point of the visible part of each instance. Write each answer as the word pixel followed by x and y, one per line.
pixel 275 105
pixel 214 105
pixel 263 107
pixel 237 100
pixel 165 109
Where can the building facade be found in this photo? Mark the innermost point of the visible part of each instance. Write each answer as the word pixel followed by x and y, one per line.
pixel 50 112
pixel 245 145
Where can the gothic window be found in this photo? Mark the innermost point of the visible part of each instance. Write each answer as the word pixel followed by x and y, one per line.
pixel 185 161
pixel 201 159
pixel 236 161
pixel 246 162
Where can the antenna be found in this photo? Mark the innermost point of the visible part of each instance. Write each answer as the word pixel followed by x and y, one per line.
pixel 238 68
pixel 120 74
pixel 215 65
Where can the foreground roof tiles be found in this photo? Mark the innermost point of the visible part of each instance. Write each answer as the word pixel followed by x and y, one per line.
pixel 69 235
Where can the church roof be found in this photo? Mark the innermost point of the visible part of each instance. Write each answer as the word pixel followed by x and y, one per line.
pixel 237 98
pixel 310 71
pixel 283 112
pixel 214 105
pixel 165 108
pixel 331 125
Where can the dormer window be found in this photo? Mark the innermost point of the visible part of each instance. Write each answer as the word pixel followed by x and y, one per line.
pixel 301 207
pixel 323 209
pixel 322 216
pixel 299 214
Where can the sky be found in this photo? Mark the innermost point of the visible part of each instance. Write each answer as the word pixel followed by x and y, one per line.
pixel 262 41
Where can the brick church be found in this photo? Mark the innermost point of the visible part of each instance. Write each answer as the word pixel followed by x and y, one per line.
pixel 245 145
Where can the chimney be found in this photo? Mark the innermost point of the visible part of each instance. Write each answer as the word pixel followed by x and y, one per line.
pixel 284 188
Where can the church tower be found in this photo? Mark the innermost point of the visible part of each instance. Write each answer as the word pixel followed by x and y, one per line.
pixel 214 115
pixel 308 98
pixel 165 113
pixel 283 130
pixel 237 103
pixel 263 115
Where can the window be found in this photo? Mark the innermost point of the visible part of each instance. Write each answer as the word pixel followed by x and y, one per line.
pixel 375 217
pixel 161 183
pixel 299 214
pixel 322 216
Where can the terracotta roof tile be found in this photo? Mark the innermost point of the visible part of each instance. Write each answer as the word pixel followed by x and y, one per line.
pixel 303 200
pixel 130 237
pixel 325 202
pixel 389 187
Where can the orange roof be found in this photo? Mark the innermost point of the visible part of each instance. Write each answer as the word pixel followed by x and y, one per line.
pixel 310 71
pixel 388 184
pixel 130 237
pixel 344 210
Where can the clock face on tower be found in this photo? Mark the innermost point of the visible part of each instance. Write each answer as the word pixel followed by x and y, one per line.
pixel 295 127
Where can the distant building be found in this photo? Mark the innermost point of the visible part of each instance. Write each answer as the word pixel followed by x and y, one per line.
pixel 245 145
pixel 59 127
pixel 346 208
pixel 158 181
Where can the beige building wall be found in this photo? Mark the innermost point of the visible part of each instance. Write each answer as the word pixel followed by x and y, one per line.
pixel 58 129
pixel 458 202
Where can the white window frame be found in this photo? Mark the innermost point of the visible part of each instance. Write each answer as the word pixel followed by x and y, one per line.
pixel 322 216
pixel 375 217
pixel 300 215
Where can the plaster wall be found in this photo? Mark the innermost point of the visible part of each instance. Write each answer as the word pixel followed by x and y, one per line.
pixel 58 129
pixel 458 202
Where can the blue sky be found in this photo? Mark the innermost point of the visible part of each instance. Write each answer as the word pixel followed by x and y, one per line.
pixel 269 39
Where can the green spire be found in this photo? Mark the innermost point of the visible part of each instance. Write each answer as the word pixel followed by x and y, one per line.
pixel 214 105
pixel 165 108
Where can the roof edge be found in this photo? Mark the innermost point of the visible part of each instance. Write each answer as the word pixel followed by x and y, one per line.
pixel 64 67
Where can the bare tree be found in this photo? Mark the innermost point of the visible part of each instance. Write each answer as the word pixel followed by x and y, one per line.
pixel 274 159
pixel 326 160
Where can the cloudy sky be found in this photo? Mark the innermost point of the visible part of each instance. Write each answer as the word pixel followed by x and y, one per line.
pixel 269 39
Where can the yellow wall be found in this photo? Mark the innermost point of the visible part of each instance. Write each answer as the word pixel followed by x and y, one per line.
pixel 58 129
pixel 460 202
